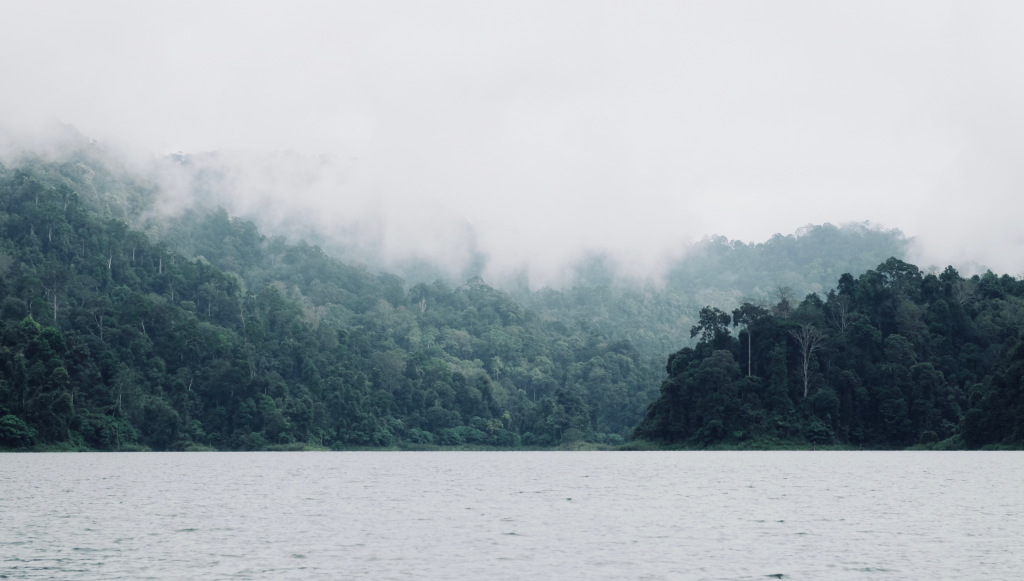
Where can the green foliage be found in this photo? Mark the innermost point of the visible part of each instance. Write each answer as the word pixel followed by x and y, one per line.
pixel 893 359
pixel 656 318
pixel 204 333
pixel 199 332
pixel 15 433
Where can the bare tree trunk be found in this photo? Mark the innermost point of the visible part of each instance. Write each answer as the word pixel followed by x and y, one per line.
pixel 810 340
pixel 838 315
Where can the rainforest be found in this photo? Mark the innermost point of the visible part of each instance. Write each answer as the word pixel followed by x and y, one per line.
pixel 124 328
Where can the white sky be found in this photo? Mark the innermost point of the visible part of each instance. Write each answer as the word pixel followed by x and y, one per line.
pixel 559 127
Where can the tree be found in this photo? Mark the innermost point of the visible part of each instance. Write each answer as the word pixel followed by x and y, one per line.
pixel 747 315
pixel 53 276
pixel 809 339
pixel 15 433
pixel 713 325
pixel 837 311
pixel 786 296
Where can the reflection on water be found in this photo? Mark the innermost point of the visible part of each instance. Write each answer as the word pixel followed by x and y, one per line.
pixel 513 515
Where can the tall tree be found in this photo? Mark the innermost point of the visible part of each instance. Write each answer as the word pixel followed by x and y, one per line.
pixel 809 339
pixel 747 315
pixel 54 275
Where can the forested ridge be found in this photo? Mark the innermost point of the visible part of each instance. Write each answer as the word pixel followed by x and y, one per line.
pixel 123 327
pixel 654 313
pixel 656 318
pixel 891 359
pixel 113 340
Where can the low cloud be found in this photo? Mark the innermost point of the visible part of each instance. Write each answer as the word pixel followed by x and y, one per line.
pixel 533 134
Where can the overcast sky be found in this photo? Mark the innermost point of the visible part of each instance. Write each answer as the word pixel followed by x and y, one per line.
pixel 550 128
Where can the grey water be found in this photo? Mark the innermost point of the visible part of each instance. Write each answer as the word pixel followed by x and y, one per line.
pixel 513 515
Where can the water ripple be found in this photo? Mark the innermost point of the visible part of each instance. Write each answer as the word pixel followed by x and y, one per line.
pixel 510 515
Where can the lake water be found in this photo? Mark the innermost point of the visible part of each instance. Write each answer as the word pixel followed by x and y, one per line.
pixel 513 515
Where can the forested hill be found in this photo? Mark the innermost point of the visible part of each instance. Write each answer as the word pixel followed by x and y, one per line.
pixel 652 310
pixel 111 339
pixel 656 318
pixel 891 359
pixel 201 331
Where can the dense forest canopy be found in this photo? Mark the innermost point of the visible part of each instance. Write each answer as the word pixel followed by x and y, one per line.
pixel 112 338
pixel 890 359
pixel 123 327
pixel 652 307
pixel 656 317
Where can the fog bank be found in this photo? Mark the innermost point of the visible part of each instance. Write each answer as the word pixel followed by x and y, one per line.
pixel 533 134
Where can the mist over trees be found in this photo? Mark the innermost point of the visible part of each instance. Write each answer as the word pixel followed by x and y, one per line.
pixel 125 326
pixel 656 316
pixel 113 339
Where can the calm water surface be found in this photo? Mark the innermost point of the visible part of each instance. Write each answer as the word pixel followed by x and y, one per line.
pixel 513 515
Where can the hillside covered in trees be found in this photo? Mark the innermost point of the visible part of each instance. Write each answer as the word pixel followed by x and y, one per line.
pixel 653 311
pixel 656 318
pixel 112 339
pixel 121 327
pixel 890 359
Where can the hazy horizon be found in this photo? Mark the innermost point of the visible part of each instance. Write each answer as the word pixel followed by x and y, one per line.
pixel 540 133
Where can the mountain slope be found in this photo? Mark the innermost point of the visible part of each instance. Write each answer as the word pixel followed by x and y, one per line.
pixel 203 331
pixel 112 339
